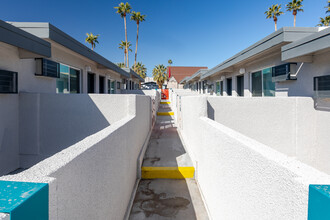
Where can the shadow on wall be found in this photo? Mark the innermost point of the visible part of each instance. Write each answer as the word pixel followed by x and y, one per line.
pixel 210 111
pixel 50 123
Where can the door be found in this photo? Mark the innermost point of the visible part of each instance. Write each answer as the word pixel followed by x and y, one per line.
pixel 91 82
pixel 229 86
pixel 101 85
pixel 240 85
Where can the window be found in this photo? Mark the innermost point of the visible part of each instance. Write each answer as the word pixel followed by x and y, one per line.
pixel 217 88
pixel 322 92
pixel 256 84
pixel 229 86
pixel 240 85
pixel 101 84
pixel 74 81
pixel 91 82
pixel 47 68
pixel 118 85
pixel 8 82
pixel 268 84
pixel 262 83
pixel 113 89
pixel 69 80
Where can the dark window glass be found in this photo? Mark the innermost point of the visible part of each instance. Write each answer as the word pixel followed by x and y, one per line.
pixel 221 88
pixel 240 85
pixel 8 82
pixel 322 83
pixel 256 84
pixel 118 85
pixel 113 89
pixel 91 82
pixel 229 86
pixel 74 81
pixel 109 85
pixel 101 84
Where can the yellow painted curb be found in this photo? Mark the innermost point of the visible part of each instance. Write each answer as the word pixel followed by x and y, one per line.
pixel 167 172
pixel 164 103
pixel 165 113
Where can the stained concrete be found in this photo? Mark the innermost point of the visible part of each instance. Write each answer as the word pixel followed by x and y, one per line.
pixel 165 147
pixel 159 199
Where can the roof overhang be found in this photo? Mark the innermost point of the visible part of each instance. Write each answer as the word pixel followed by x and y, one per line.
pixel 184 80
pixel 304 49
pixel 29 45
pixel 133 74
pixel 283 36
pixel 48 31
pixel 196 76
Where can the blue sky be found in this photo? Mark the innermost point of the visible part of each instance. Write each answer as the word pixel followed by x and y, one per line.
pixel 190 32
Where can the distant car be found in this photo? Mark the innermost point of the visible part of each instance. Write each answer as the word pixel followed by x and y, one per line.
pixel 149 86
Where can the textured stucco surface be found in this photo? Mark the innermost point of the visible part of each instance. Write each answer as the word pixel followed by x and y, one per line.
pixel 94 178
pixel 9 145
pixel 241 178
pixel 4 216
pixel 50 123
pixel 289 125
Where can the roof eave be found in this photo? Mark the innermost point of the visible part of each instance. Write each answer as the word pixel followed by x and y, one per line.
pixel 31 46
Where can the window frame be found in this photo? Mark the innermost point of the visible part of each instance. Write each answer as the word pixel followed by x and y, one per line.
pixel 14 83
pixel 69 79
pixel 262 82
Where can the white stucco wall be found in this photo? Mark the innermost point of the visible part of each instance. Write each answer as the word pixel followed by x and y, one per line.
pixel 268 120
pixel 9 145
pixel 289 125
pixel 4 216
pixel 241 178
pixel 94 178
pixel 50 123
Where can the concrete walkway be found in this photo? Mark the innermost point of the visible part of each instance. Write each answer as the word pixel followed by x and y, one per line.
pixel 168 189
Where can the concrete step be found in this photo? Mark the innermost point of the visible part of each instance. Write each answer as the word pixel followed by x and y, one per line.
pixel 168 172
pixel 165 113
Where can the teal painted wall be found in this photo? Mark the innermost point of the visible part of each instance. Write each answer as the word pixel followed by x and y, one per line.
pixel 319 202
pixel 23 200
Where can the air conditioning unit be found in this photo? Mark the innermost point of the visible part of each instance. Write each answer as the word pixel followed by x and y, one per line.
pixel 47 68
pixel 284 72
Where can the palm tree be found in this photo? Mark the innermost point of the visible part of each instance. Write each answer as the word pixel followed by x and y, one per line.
pixel 324 22
pixel 159 74
pixel 123 10
pixel 92 39
pixel 328 7
pixel 126 48
pixel 274 12
pixel 121 65
pixel 294 6
pixel 140 69
pixel 137 17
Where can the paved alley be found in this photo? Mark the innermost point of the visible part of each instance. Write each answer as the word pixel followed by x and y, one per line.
pixel 168 189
